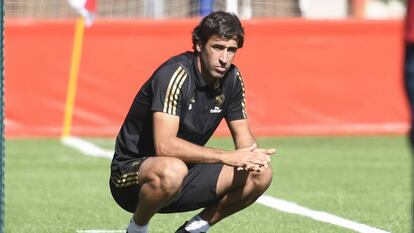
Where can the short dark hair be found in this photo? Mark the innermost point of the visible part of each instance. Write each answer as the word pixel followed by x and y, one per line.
pixel 219 23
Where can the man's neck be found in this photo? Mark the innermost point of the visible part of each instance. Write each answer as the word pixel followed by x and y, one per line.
pixel 204 74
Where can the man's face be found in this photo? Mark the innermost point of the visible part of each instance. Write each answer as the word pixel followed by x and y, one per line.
pixel 216 57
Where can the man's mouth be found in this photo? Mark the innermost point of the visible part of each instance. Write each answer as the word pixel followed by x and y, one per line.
pixel 220 69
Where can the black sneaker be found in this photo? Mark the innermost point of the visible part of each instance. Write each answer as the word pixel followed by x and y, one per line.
pixel 182 229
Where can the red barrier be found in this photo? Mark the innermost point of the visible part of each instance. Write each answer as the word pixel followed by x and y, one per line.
pixel 302 77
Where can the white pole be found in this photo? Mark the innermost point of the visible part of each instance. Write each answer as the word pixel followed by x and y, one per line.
pixel 246 9
pixel 159 9
pixel 232 6
pixel 154 8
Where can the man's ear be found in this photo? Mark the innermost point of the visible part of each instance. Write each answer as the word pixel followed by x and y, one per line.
pixel 199 47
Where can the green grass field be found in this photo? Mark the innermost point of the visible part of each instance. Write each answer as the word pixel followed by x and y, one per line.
pixel 53 188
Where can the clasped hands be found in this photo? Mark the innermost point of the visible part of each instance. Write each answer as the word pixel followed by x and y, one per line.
pixel 254 158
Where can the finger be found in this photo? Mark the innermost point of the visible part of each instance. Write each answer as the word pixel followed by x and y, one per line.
pixel 251 167
pixel 260 169
pixel 270 151
pixel 255 165
pixel 264 158
pixel 266 151
pixel 259 162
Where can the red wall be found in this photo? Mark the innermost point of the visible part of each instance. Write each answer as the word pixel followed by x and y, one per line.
pixel 302 77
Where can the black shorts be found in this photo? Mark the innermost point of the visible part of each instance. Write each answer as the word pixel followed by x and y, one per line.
pixel 198 189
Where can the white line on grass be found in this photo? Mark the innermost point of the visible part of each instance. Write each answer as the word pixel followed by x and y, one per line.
pixel 100 231
pixel 293 208
pixel 91 149
pixel 86 147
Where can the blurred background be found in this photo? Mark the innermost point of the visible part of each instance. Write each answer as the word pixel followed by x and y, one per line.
pixel 310 66
pixel 246 9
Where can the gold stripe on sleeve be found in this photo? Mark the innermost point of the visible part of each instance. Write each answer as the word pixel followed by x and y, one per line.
pixel 174 90
pixel 174 104
pixel 244 97
pixel 170 84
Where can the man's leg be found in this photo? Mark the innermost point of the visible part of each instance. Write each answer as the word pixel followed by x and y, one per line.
pixel 160 179
pixel 237 189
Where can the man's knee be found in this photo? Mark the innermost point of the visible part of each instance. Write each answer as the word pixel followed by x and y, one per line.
pixel 168 174
pixel 261 180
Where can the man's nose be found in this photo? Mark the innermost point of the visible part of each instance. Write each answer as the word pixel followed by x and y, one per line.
pixel 224 56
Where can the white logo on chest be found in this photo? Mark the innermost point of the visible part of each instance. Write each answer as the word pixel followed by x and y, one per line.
pixel 215 110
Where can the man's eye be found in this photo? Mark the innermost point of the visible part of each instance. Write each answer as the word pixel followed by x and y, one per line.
pixel 218 47
pixel 232 50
